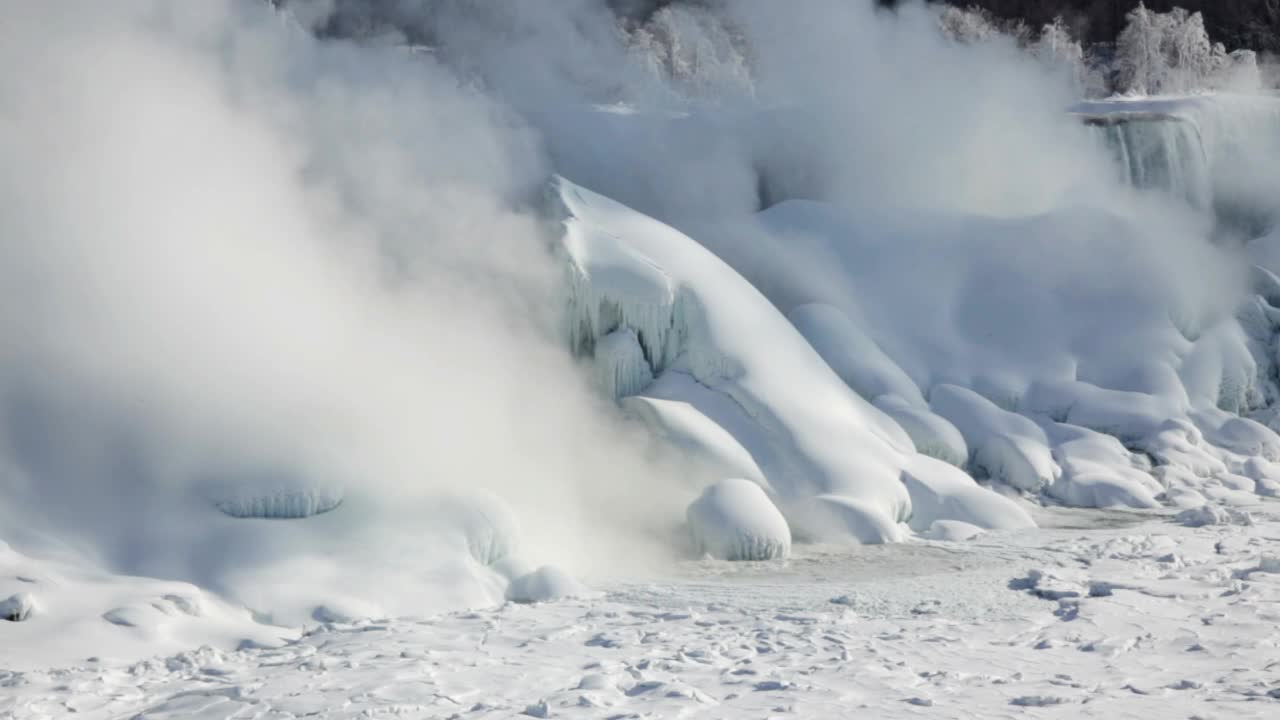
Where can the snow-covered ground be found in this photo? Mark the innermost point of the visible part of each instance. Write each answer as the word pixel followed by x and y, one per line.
pixel 1095 614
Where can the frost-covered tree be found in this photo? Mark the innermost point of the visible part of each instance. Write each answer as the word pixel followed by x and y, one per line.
pixel 1190 56
pixel 1057 49
pixel 1172 53
pixel 1056 44
pixel 695 50
pixel 1140 57
pixel 967 25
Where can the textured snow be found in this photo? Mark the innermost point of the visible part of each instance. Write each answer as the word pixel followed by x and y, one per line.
pixel 1131 618
pixel 735 520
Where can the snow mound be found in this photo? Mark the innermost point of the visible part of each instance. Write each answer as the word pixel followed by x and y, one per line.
pixel 1098 471
pixel 69 609
pixel 735 520
pixel 1005 446
pixel 834 518
pixel 17 607
pixel 930 432
pixel 951 531
pixel 941 492
pixel 546 584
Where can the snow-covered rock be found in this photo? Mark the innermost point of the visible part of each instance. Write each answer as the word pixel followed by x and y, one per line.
pixel 735 520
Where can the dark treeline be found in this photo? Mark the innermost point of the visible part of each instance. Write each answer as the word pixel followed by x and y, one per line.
pixel 1248 24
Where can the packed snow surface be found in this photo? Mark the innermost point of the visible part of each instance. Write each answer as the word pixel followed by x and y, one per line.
pixel 1114 615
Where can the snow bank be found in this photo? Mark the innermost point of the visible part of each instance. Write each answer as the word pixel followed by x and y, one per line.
pixel 66 609
pixel 735 520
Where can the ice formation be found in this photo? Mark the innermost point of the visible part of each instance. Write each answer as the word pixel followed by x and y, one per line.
pixel 280 505
pixel 735 520
pixel 713 342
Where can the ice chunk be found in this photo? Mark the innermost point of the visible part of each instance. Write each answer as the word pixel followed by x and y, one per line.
pixel 281 504
pixel 735 520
